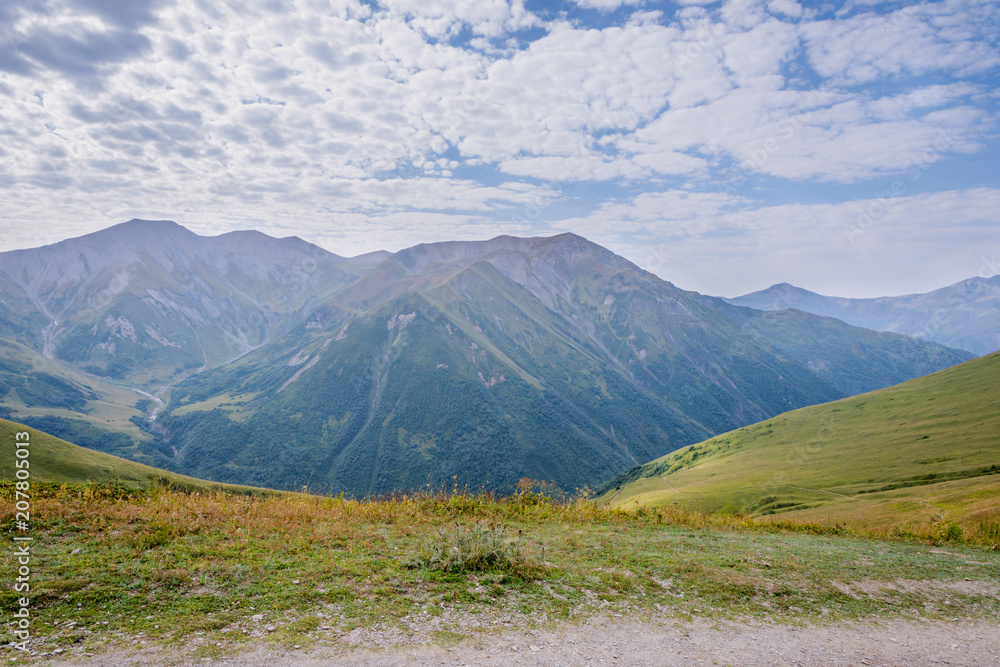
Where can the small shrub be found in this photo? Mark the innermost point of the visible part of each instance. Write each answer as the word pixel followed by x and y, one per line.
pixel 475 548
pixel 951 532
pixel 538 492
pixel 157 534
pixel 989 535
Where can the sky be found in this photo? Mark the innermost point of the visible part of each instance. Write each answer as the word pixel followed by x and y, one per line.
pixel 847 147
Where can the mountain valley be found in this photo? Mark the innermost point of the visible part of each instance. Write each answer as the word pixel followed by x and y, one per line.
pixel 253 360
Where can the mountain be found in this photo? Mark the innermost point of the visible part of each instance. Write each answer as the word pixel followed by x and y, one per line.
pixel 549 358
pixel 965 315
pixel 150 301
pixel 481 362
pixel 904 456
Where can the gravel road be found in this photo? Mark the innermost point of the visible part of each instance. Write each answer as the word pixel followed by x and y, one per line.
pixel 624 642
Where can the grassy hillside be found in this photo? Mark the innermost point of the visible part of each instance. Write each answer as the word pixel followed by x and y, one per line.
pixel 212 574
pixel 57 461
pixel 925 451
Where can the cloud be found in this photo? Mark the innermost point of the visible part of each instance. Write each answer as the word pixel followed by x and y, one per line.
pixel 606 5
pixel 126 15
pixel 892 242
pixel 951 36
pixel 554 98
pixel 786 7
pixel 444 18
pixel 83 42
pixel 301 115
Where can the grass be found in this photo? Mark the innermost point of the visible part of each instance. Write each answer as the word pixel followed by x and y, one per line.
pixel 923 452
pixel 123 568
pixel 880 505
pixel 233 406
pixel 475 548
pixel 57 461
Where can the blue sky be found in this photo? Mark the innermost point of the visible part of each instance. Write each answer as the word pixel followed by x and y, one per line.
pixel 850 148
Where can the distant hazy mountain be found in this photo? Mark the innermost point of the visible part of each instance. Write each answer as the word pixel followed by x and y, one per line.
pixel 148 301
pixel 965 315
pixel 484 362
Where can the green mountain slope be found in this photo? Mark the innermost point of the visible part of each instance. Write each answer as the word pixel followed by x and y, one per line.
pixel 853 359
pixel 58 461
pixel 925 450
pixel 413 394
pixel 35 388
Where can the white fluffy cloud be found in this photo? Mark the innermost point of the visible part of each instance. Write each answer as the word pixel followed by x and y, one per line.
pixel 315 116
pixel 954 36
pixel 605 5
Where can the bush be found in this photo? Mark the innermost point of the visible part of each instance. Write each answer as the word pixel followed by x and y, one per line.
pixel 951 532
pixel 476 548
pixel 989 535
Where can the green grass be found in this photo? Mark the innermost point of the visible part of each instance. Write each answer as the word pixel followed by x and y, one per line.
pixel 476 548
pixel 159 566
pixel 56 461
pixel 908 458
pixel 233 406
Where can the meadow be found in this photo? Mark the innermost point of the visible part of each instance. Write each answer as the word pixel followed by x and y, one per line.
pixel 124 567
pixel 879 506
pixel 918 457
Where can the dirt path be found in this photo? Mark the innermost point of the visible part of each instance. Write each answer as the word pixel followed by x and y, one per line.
pixel 670 486
pixel 625 642
pixel 832 493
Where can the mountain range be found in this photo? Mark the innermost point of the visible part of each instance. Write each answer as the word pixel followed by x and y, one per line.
pixel 965 315
pixel 247 359
pixel 148 301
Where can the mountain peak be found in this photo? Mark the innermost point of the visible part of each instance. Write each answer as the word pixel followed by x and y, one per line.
pixel 138 227
pixel 135 232
pixel 570 237
pixel 568 241
pixel 566 246
pixel 253 241
pixel 786 288
pixel 777 297
pixel 971 324
pixel 142 223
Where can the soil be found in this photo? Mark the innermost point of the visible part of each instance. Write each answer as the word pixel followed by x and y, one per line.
pixel 618 641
